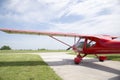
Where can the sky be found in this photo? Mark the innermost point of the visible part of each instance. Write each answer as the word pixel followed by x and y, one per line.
pixel 70 16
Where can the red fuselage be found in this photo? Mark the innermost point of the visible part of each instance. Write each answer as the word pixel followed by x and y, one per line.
pixel 102 46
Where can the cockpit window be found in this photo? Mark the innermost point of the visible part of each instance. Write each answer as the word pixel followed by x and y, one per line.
pixel 90 43
pixel 80 44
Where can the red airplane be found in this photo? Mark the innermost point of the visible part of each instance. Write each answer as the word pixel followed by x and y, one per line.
pixel 86 44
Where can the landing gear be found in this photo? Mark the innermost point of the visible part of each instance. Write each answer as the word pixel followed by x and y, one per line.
pixel 102 58
pixel 78 58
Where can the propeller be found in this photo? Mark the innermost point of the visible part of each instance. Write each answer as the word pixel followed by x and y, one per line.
pixel 73 45
pixel 69 48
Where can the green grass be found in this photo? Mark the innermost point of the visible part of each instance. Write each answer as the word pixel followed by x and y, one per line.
pixel 29 51
pixel 115 57
pixel 25 67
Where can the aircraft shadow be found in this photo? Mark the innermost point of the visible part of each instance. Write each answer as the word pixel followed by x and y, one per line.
pixel 101 67
pixel 21 63
pixel 86 63
pixel 115 78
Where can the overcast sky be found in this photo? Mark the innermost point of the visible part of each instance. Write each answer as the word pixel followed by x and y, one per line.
pixel 78 16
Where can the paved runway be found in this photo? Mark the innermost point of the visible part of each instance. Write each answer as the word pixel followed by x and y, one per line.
pixel 89 69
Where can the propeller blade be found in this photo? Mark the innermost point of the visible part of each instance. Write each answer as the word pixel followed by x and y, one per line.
pixel 69 48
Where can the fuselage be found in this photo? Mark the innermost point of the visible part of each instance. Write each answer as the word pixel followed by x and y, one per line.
pixel 102 46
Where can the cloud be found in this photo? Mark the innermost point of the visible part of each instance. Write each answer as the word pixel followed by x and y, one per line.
pixel 100 17
pixel 105 24
pixel 64 15
pixel 33 11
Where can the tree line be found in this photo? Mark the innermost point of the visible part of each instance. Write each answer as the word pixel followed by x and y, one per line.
pixel 5 47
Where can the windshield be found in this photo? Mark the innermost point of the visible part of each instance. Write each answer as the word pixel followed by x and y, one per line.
pixel 79 45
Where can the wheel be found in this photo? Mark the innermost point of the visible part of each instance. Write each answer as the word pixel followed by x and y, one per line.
pixel 77 60
pixel 102 58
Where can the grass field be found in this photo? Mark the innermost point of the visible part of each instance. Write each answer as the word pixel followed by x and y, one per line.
pixel 25 67
pixel 29 51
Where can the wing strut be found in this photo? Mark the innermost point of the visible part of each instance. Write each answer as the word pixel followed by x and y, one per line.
pixel 60 41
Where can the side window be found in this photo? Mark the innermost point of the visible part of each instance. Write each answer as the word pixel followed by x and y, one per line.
pixel 90 43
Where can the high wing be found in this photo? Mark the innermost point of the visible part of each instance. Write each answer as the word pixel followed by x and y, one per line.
pixel 40 33
pixel 55 34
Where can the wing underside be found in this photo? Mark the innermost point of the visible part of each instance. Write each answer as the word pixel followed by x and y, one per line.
pixel 14 31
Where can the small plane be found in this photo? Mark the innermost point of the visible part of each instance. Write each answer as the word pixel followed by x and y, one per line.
pixel 86 44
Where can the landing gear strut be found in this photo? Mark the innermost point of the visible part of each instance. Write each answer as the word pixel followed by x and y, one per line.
pixel 101 58
pixel 78 58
